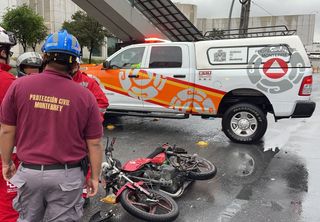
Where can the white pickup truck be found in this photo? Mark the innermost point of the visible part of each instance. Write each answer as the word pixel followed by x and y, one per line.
pixel 240 80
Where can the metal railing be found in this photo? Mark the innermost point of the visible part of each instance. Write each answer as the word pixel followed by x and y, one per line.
pixel 253 32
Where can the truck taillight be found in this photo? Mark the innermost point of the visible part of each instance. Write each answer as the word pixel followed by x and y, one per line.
pixel 306 86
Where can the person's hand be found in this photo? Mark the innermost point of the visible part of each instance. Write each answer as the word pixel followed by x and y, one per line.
pixel 92 187
pixel 8 171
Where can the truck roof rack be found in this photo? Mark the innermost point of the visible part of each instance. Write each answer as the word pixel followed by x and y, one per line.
pixel 253 32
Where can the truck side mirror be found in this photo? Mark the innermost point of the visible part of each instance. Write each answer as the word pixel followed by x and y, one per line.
pixel 106 65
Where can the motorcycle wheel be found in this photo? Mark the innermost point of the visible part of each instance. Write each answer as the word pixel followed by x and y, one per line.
pixel 205 170
pixel 164 208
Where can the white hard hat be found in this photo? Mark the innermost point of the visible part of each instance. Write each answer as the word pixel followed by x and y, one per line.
pixel 32 59
pixel 7 38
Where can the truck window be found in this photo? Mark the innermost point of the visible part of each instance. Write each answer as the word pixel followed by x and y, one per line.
pixel 128 59
pixel 165 57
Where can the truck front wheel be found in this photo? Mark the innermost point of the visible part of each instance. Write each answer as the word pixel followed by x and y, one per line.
pixel 244 123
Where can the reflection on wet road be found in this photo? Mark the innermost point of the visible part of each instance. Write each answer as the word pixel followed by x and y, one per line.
pixel 276 180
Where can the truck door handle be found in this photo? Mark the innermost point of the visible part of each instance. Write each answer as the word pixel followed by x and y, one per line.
pixel 179 76
pixel 133 76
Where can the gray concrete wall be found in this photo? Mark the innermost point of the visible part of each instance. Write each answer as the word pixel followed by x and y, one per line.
pixel 304 24
pixel 190 11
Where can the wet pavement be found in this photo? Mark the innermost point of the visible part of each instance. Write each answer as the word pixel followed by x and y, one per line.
pixel 276 180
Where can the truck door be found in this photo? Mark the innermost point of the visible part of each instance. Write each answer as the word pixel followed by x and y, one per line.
pixel 167 85
pixel 122 79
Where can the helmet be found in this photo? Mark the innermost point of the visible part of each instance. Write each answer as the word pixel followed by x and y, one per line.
pixel 7 38
pixel 32 59
pixel 63 43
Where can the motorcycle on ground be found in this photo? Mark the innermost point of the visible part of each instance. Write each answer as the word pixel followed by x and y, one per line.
pixel 136 197
pixel 169 169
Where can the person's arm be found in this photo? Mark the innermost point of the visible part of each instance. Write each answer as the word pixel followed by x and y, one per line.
pixel 93 134
pixel 8 118
pixel 95 155
pixel 101 98
pixel 7 137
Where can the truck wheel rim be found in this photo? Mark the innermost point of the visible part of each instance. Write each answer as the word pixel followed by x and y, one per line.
pixel 244 124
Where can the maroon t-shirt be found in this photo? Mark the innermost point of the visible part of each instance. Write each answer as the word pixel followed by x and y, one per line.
pixel 53 116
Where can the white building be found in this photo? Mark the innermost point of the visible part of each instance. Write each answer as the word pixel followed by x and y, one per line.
pixel 54 12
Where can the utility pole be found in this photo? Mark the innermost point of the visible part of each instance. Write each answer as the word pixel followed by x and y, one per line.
pixel 244 17
pixel 229 20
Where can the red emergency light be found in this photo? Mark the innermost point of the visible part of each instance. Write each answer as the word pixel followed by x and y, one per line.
pixel 154 40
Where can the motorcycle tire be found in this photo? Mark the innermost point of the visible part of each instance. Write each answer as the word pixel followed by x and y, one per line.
pixel 143 211
pixel 203 174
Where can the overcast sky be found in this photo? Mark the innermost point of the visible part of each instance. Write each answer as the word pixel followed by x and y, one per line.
pixel 220 9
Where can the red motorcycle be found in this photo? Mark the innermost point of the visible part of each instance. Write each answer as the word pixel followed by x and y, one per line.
pixel 135 196
pixel 170 169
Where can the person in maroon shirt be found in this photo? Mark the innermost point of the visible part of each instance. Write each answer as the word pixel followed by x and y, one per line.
pixel 31 63
pixel 7 190
pixel 55 124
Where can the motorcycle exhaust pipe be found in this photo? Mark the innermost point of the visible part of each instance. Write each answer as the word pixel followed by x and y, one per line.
pixel 179 192
pixel 176 194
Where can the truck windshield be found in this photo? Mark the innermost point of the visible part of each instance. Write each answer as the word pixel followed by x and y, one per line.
pixel 130 58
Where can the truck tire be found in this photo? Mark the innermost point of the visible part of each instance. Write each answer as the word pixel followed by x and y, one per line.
pixel 244 123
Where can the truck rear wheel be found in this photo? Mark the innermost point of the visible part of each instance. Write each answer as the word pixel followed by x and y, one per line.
pixel 244 123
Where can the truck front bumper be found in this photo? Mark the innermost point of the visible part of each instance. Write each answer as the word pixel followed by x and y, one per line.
pixel 304 109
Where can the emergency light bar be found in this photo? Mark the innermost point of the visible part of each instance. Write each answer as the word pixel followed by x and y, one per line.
pixel 155 40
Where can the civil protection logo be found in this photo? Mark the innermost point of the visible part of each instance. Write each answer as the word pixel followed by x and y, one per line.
pixel 269 71
pixel 146 86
